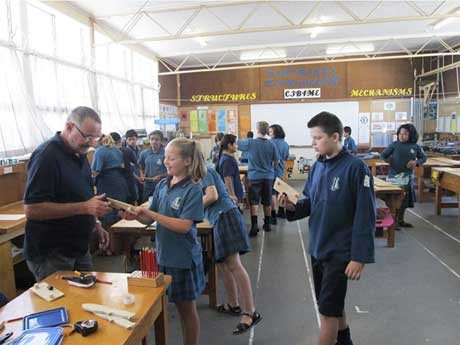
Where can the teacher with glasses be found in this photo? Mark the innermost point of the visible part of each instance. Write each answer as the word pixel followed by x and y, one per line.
pixel 61 208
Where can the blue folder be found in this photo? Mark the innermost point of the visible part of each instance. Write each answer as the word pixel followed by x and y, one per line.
pixel 47 318
pixel 40 336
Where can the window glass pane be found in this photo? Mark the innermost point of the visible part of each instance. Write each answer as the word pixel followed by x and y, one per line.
pixel 40 30
pixel 73 40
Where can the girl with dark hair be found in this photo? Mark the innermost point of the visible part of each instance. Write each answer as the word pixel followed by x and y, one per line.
pixel 404 155
pixel 227 167
pixel 277 136
pixel 213 155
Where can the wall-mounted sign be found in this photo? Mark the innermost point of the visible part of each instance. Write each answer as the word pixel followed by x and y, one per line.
pixel 381 92
pixel 226 97
pixel 302 93
pixel 313 76
pixel 167 121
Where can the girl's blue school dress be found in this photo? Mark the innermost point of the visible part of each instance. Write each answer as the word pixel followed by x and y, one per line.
pixel 153 165
pixel 180 255
pixel 229 229
pixel 111 178
pixel 400 154
pixel 228 167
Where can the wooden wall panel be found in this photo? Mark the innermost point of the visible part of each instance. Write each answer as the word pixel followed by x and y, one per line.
pixel 220 82
pixel 12 184
pixel 383 74
pixel 450 80
pixel 244 120
pixel 168 90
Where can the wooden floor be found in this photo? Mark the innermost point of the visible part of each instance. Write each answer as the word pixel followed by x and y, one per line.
pixel 410 296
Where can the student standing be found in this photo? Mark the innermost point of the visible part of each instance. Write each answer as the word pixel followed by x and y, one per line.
pixel 340 201
pixel 230 241
pixel 131 143
pixel 151 162
pixel 214 154
pixel 263 158
pixel 109 171
pixel 245 154
pixel 349 143
pixel 176 207
pixel 130 162
pixel 277 136
pixel 228 168
pixel 404 155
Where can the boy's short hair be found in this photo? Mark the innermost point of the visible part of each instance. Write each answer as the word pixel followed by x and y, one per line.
pixel 157 133
pixel 278 132
pixel 262 127
pixel 250 134
pixel 115 136
pixel 347 129
pixel 131 133
pixel 218 137
pixel 328 122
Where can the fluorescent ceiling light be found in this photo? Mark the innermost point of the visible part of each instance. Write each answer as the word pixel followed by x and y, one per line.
pixel 262 54
pixel 349 48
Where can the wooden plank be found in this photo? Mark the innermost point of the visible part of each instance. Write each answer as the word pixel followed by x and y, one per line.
pixel 7 283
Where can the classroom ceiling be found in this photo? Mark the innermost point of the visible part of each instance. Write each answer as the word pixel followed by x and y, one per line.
pixel 215 35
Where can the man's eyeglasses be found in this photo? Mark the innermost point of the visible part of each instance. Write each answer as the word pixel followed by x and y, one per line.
pixel 86 137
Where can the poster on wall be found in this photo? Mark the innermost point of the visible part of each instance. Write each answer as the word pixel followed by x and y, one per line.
pixel 203 120
pixel 363 128
pixel 401 116
pixel 231 125
pixel 378 127
pixel 389 106
pixel 377 116
pixel 184 119
pixel 212 121
pixel 194 121
pixel 221 120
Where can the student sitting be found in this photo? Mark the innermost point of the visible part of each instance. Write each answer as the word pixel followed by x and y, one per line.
pixel 349 143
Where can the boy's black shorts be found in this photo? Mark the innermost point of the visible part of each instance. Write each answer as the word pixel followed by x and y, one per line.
pixel 260 189
pixel 330 286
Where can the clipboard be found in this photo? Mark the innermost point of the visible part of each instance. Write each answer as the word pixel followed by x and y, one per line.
pixel 282 187
pixel 119 205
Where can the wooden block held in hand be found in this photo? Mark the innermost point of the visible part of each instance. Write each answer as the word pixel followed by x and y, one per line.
pixel 120 205
pixel 282 187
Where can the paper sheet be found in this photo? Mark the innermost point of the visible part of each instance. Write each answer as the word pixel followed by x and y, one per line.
pixel 11 216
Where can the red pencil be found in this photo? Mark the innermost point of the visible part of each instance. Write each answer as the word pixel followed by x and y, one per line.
pixel 15 319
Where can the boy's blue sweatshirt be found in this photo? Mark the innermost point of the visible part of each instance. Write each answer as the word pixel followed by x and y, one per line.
pixel 340 200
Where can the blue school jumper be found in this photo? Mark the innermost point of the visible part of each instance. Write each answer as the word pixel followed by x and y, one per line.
pixel 350 145
pixel 262 154
pixel 109 163
pixel 283 151
pixel 340 200
pixel 180 255
pixel 228 166
pixel 399 154
pixel 153 165
pixel 229 230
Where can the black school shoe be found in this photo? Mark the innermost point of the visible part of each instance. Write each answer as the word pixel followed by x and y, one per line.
pixel 273 220
pixel 267 227
pixel 254 230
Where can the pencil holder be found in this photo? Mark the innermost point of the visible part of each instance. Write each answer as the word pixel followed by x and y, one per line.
pixel 137 278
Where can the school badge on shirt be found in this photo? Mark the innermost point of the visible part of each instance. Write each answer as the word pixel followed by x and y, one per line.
pixel 159 161
pixel 176 203
pixel 367 181
pixel 335 184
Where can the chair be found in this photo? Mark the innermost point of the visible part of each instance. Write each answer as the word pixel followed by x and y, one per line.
pixel 383 222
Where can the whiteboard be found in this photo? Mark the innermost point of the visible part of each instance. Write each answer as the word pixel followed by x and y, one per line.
pixel 293 117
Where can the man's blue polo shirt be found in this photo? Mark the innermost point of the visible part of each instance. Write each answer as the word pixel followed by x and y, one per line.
pixel 262 155
pixel 283 150
pixel 183 200
pixel 55 174
pixel 153 162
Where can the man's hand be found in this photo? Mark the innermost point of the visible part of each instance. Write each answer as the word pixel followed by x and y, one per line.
pixel 284 202
pixel 354 270
pixel 102 236
pixel 96 206
pixel 411 164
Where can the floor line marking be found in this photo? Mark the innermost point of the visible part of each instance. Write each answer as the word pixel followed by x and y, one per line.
pixel 259 270
pixel 435 226
pixel 310 280
pixel 451 270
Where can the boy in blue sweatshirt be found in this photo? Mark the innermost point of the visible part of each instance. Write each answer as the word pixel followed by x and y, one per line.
pixel 340 201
